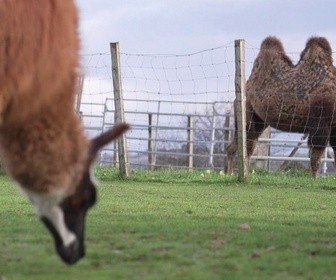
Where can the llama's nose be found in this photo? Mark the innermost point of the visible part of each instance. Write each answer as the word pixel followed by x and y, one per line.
pixel 71 253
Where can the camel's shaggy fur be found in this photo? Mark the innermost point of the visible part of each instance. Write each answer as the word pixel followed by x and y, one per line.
pixel 293 98
pixel 42 142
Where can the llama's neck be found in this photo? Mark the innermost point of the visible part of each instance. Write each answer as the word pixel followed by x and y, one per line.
pixel 46 152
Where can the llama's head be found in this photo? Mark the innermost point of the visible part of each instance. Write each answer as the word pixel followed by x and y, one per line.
pixel 69 234
pixel 66 220
pixel 51 161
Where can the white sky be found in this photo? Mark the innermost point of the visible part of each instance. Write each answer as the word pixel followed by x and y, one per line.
pixel 187 26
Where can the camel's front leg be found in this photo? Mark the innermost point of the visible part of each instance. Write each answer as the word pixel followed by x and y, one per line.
pixel 231 151
pixel 317 141
pixel 315 159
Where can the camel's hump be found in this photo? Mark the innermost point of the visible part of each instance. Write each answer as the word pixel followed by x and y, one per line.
pixel 272 43
pixel 317 46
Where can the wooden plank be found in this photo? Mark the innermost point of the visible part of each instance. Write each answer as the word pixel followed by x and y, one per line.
pixel 263 149
pixel 292 153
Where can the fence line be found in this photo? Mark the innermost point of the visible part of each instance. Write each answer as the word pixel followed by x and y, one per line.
pixel 180 109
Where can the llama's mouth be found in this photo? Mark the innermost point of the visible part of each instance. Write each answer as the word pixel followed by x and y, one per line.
pixel 71 253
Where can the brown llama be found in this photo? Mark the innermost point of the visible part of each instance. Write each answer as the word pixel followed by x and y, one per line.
pixel 42 142
pixel 293 98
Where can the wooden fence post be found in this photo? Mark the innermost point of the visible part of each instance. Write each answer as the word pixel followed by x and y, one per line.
pixel 212 136
pixel 190 142
pixel 79 89
pixel 150 142
pixel 119 116
pixel 241 108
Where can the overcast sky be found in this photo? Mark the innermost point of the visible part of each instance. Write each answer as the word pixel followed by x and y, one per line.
pixel 187 26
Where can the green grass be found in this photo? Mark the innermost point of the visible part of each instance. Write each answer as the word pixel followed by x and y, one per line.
pixel 184 225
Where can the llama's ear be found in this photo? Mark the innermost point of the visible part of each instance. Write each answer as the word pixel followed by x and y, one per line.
pixel 106 137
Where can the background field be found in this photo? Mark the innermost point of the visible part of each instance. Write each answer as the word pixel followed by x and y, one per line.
pixel 184 225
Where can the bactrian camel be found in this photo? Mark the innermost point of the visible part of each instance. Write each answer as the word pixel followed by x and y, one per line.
pixel 293 98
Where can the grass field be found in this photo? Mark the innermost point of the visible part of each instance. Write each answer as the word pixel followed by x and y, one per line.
pixel 184 225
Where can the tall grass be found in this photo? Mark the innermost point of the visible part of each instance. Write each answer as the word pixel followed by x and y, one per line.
pixel 184 225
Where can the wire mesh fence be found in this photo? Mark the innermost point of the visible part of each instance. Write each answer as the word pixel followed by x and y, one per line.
pixel 168 96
